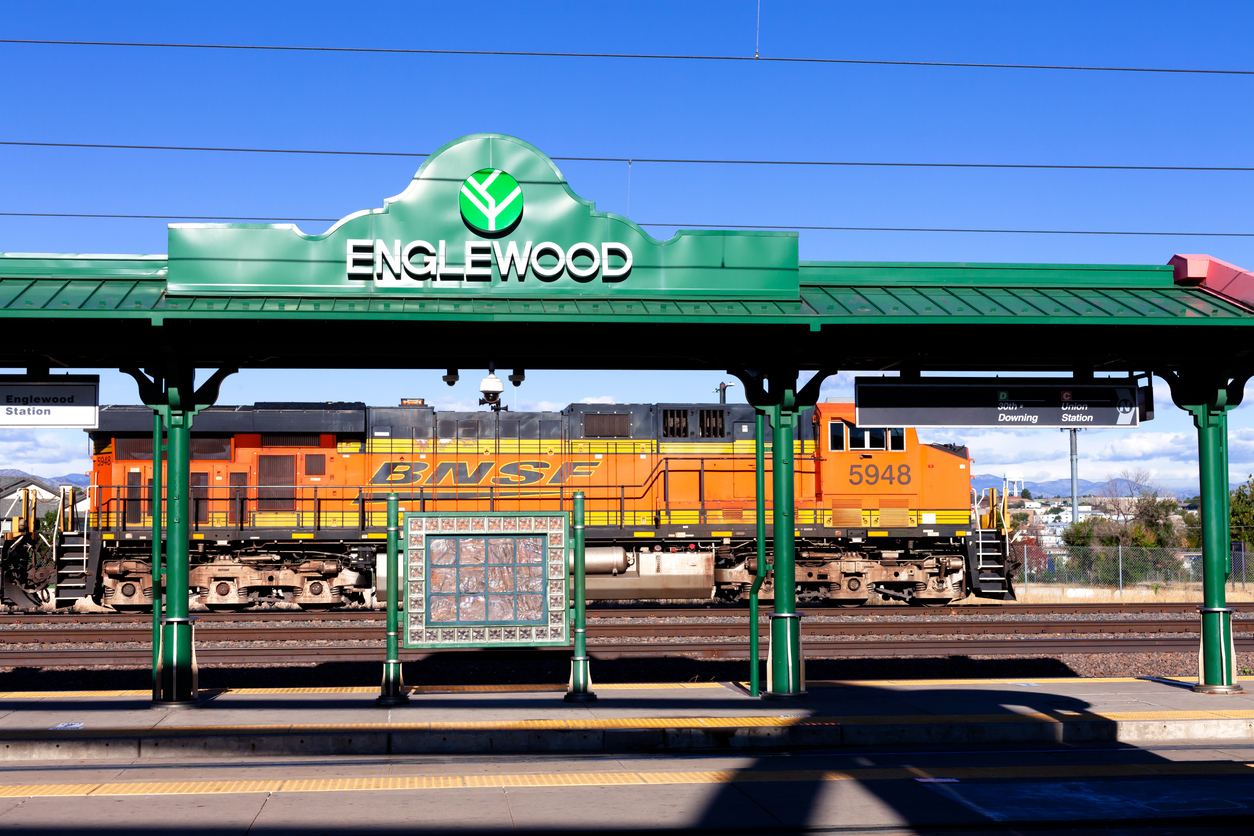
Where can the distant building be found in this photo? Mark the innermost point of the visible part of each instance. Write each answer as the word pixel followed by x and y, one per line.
pixel 47 498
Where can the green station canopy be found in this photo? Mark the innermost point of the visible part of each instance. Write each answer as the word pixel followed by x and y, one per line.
pixel 488 231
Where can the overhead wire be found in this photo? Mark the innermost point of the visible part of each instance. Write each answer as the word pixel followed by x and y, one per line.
pixel 784 227
pixel 627 56
pixel 667 160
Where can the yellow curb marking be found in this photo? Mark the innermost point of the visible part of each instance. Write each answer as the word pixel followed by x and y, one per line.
pixel 596 779
pixel 594 724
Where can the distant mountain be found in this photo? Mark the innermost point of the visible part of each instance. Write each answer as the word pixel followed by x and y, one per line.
pixel 1058 487
pixel 1062 487
pixel 76 479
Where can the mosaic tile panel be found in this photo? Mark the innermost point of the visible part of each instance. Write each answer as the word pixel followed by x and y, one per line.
pixel 486 581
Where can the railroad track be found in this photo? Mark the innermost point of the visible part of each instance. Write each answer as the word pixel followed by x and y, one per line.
pixel 599 630
pixel 646 611
pixel 815 649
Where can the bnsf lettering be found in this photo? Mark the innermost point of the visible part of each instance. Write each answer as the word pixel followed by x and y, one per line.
pixel 399 473
pixel 461 472
pixel 466 473
pixel 573 470
pixel 521 473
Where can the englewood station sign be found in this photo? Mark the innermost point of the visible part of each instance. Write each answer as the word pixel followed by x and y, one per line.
pixel 486 215
pixel 60 401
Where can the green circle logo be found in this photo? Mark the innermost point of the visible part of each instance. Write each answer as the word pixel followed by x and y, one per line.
pixel 491 201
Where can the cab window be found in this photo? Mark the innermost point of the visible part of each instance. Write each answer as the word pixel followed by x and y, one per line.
pixel 877 438
pixel 836 436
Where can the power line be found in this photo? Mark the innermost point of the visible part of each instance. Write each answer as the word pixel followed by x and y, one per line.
pixel 675 160
pixel 673 225
pixel 626 55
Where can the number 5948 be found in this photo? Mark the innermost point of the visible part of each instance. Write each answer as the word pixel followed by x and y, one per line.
pixel 870 474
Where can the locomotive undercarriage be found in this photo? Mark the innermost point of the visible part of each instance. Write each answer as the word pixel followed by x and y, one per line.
pixel 235 574
pixel 229 576
pixel 848 575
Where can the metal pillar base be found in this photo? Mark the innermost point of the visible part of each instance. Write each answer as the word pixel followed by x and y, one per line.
pixel 399 699
pixel 1200 688
pixel 580 678
pixel 178 676
pixel 785 664
pixel 392 690
pixel 767 695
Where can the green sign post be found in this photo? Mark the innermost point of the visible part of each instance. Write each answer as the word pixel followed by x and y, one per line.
pixel 580 688
pixel 392 691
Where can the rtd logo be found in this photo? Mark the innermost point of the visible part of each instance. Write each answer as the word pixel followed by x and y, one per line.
pixel 491 201
pixel 491 204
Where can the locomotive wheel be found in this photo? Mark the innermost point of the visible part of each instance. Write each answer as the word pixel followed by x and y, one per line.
pixel 851 605
pixel 929 602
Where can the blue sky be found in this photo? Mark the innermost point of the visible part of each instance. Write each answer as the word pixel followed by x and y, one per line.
pixel 635 108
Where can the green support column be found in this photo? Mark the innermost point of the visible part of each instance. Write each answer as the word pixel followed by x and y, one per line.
pixel 1208 394
pixel 176 400
pixel 393 689
pixel 177 666
pixel 156 504
pixel 579 688
pixel 759 575
pixel 785 667
pixel 1217 669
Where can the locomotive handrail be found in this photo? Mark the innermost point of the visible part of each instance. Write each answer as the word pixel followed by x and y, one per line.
pixel 209 500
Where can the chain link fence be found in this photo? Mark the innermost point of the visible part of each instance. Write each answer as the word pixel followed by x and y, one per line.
pixel 1072 571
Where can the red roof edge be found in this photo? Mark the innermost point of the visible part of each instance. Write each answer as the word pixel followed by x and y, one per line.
pixel 1218 277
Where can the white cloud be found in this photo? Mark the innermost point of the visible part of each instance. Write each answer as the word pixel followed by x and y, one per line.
pixel 541 406
pixel 606 399
pixel 45 452
pixel 447 404
pixel 1146 445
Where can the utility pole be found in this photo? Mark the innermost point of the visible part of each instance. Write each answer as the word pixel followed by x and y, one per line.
pixel 1075 479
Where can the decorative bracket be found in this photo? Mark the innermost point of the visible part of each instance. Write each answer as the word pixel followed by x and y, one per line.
pixel 165 393
pixel 781 381
pixel 1195 390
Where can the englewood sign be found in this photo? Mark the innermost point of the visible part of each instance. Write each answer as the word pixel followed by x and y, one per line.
pixel 61 401
pixel 486 215
pixel 482 261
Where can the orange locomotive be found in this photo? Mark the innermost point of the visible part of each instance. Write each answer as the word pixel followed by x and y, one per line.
pixel 288 500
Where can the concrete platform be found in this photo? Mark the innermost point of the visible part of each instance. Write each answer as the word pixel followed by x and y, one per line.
pixel 1100 788
pixel 642 718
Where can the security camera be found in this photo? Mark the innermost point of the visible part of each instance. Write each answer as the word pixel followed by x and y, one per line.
pixel 491 388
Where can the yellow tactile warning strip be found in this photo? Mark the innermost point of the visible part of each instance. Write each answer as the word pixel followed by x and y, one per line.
pixel 600 779
pixel 600 724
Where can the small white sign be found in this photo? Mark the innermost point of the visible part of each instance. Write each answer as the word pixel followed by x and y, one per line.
pixel 72 403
